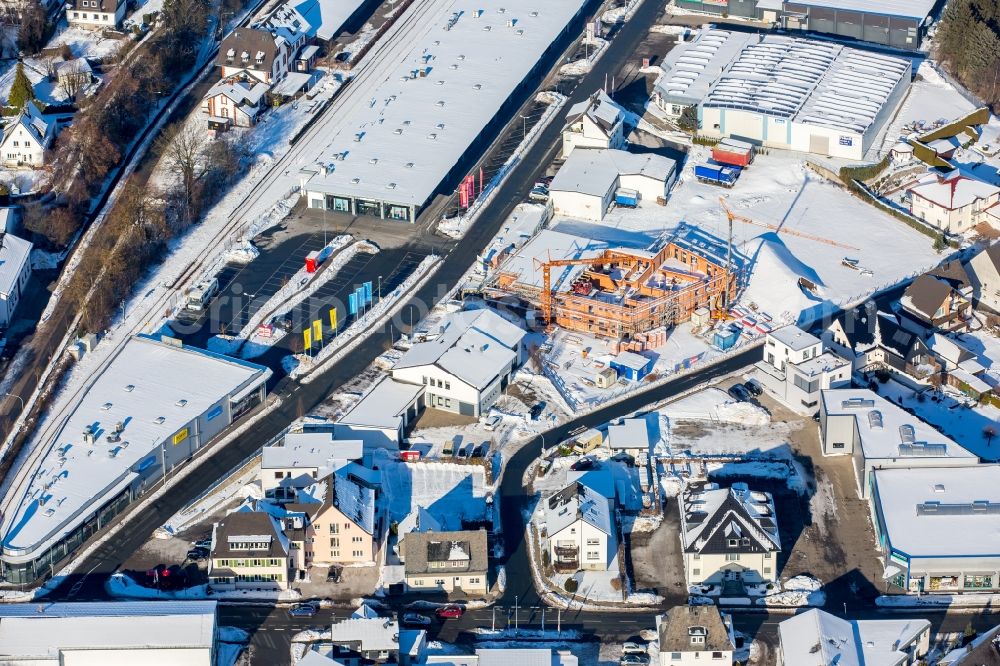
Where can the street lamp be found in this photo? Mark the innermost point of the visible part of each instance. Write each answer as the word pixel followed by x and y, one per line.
pixel 12 395
pixel 380 288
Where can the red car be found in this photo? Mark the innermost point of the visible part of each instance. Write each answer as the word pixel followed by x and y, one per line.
pixel 451 611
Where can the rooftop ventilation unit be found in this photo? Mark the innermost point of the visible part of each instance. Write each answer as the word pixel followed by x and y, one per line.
pixel 355 181
pixel 398 130
pixel 409 165
pixel 478 86
pixel 129 388
pixel 181 403
pixel 487 28
pixel 390 186
pixel 106 406
pixel 159 420
pixel 89 437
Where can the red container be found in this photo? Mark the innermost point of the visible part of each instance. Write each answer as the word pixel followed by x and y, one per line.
pixel 409 456
pixel 732 156
pixel 312 260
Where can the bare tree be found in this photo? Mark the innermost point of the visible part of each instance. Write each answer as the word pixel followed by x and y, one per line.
pixel 74 76
pixel 183 149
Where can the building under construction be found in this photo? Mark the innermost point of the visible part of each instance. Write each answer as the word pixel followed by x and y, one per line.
pixel 584 285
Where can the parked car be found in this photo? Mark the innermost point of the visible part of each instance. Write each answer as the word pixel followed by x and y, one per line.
pixel 203 543
pixel 492 422
pixel 536 410
pixel 739 393
pixel 539 193
pixel 753 386
pixel 479 451
pixel 450 611
pixel 634 659
pixel 583 464
pixel 631 647
pixel 197 554
pixel 625 458
pixel 302 610
pixel 416 619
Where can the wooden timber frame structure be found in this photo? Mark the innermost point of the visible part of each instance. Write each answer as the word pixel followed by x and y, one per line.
pixel 622 292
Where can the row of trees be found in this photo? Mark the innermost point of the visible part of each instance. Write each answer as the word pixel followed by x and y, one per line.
pixel 968 44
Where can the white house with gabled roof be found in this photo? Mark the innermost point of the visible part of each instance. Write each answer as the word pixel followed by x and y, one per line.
pixel 27 138
pixel 301 459
pixel 466 362
pixel 15 271
pixel 597 122
pixel 817 637
pixel 580 529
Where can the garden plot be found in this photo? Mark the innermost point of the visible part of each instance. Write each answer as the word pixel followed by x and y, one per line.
pixel 779 189
pixel 450 492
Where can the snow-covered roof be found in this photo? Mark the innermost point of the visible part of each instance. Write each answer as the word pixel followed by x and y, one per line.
pixel 43 630
pixel 601 109
pixel 327 17
pixel 30 118
pixel 814 82
pixel 631 434
pixel 817 638
pixel 578 501
pixel 948 349
pixel 240 92
pixel 374 634
pixel 822 364
pixel 954 193
pixel 308 450
pixel 690 69
pixel 355 501
pixel 941 511
pixel 794 337
pixel 422 118
pixel 711 516
pixel 383 406
pixel 450 330
pixel 916 9
pixel 547 244
pixel 523 657
pixel 631 360
pixel 418 520
pixel 14 254
pixel 595 171
pixel 888 431
pixel 292 84
pixel 477 359
pixel 147 389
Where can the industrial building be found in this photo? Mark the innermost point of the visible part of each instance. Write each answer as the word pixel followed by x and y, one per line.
pixel 393 153
pixel 153 406
pixel 689 70
pixel 805 95
pixel 615 292
pixel 898 23
pixel 110 633
pixel 591 179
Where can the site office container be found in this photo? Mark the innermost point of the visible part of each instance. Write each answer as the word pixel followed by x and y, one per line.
pixel 733 153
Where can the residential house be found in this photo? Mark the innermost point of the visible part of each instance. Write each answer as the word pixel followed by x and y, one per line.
pixel 343 530
pixel 257 52
pixel 467 363
pixel 955 203
pixel 287 23
pixel 249 550
pixel 984 273
pixel 96 14
pixel 359 641
pixel 235 102
pixel 984 650
pixel 580 529
pixel 795 368
pixel 382 415
pixel 818 638
pixel 27 138
pixel 632 436
pixel 958 365
pixel 597 122
pixel 695 636
pixel 936 528
pixel 729 536
pixel 419 519
pixel 874 340
pixel 15 271
pixel 933 304
pixel 590 179
pixel 302 459
pixel 451 562
pixel 879 434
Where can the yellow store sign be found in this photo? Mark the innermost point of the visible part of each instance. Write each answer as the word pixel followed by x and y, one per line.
pixel 180 436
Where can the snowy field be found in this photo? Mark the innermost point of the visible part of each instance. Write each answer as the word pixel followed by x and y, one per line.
pixel 778 189
pixel 450 492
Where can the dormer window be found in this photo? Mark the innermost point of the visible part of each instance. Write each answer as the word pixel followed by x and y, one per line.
pixel 697 635
pixel 732 543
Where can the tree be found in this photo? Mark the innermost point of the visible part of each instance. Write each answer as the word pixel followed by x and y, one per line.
pixel 56 225
pixel 689 119
pixel 21 91
pixel 939 242
pixel 74 77
pixel 183 149
pixel 33 31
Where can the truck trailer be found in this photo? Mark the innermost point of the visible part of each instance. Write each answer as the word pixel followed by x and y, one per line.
pixel 733 153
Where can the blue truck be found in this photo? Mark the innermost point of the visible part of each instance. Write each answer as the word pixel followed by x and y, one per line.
pixel 626 197
pixel 717 174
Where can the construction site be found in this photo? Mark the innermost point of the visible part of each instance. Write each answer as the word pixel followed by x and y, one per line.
pixel 617 292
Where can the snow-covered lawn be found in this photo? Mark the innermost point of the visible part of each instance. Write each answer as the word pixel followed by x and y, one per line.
pixel 715 405
pixel 87 43
pixel 448 491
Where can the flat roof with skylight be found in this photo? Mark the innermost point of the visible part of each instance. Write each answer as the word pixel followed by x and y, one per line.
pixel 423 117
pixel 149 394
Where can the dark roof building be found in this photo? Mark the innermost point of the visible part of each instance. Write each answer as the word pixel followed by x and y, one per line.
pixel 248 48
pixel 712 518
pixel 430 552
pixel 695 629
pixel 244 532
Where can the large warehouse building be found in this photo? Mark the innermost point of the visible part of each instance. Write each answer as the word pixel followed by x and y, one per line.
pixel 898 23
pixel 805 95
pixel 393 154
pixel 148 411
